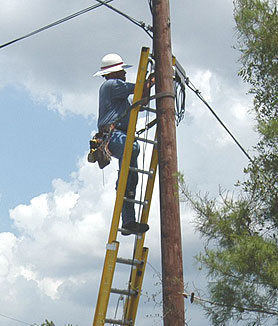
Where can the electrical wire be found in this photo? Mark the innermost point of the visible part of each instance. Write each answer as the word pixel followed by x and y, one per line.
pixel 141 24
pixel 180 97
pixel 180 94
pixel 17 320
pixel 198 93
pixel 151 6
pixel 60 21
pixel 136 237
pixel 180 81
pixel 117 306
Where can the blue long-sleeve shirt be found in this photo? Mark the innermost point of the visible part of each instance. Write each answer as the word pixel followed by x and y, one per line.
pixel 113 103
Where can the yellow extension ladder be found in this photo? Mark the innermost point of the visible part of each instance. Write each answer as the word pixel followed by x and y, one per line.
pixel 139 259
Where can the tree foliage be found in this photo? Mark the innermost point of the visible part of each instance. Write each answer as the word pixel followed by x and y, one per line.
pixel 48 323
pixel 51 323
pixel 241 248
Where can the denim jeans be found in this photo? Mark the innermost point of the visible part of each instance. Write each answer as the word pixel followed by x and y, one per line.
pixel 116 147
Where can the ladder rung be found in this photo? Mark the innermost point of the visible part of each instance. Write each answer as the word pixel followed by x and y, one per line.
pixel 147 108
pixel 150 173
pixel 143 203
pixel 153 142
pixel 129 261
pixel 124 292
pixel 119 322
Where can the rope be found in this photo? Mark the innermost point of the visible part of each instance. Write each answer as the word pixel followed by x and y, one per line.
pixel 147 127
pixel 143 102
pixel 153 97
pixel 117 306
pixel 138 216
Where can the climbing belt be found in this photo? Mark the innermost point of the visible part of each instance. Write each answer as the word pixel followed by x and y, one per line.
pixel 99 151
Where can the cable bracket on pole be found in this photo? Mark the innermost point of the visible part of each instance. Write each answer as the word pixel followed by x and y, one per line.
pixel 153 97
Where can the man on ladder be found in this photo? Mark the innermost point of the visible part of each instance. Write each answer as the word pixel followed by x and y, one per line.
pixel 113 119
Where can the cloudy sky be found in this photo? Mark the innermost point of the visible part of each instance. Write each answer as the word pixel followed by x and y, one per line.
pixel 55 208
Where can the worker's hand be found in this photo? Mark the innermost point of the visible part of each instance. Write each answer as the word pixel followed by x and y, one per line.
pixel 148 84
pixel 150 80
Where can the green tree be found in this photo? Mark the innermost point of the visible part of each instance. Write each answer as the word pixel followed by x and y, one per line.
pixel 241 248
pixel 50 323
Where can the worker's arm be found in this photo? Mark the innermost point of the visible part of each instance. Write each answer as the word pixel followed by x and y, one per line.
pixel 121 89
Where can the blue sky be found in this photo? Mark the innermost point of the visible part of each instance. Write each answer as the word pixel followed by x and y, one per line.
pixel 55 207
pixel 38 145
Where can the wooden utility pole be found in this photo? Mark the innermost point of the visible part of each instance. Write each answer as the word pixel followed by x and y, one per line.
pixel 171 249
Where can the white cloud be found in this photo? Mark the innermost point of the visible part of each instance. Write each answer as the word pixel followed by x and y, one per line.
pixel 29 218
pixel 56 66
pixel 60 221
pixel 8 244
pixel 239 111
pixel 59 252
pixel 60 248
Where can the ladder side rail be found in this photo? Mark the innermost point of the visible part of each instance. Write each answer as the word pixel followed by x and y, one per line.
pixel 138 272
pixel 137 279
pixel 106 283
pixel 150 184
pixel 138 91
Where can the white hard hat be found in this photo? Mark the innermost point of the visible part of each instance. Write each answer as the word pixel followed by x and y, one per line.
pixel 111 62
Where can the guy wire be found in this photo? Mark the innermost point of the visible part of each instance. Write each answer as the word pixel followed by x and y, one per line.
pixel 198 93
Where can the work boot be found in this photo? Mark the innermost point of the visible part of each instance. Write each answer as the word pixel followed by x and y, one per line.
pixel 125 232
pixel 130 194
pixel 133 227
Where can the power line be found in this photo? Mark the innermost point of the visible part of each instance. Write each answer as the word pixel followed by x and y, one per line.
pixel 198 93
pixel 60 21
pixel 147 29
pixel 151 6
pixel 141 24
pixel 19 321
